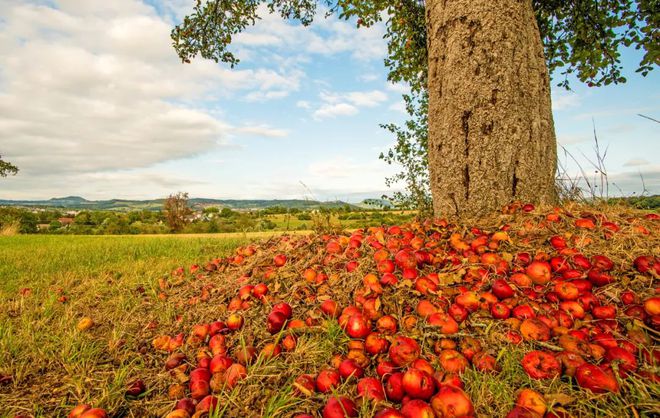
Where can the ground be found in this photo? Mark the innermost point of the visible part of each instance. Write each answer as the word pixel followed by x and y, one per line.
pixel 145 310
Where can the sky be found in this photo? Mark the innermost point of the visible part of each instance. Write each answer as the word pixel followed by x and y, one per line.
pixel 94 102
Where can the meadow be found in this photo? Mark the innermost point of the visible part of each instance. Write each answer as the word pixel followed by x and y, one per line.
pixel 111 279
pixel 84 318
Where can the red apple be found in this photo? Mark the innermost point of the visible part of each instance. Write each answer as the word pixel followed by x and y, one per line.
pixel 451 401
pixel 327 380
pixel 596 379
pixel 418 384
pixel 541 365
pixel 339 407
pixel 404 350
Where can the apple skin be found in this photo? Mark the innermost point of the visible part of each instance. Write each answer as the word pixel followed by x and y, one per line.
pixel 451 401
pixel 532 400
pixel 339 407
pixel 389 413
pixel 79 410
pixel 327 380
pixel 417 408
pixel 358 326
pixel 541 365
pixel 349 368
pixel 418 384
pixel 404 350
pixel 94 413
pixel 394 387
pixel 371 388
pixel 596 379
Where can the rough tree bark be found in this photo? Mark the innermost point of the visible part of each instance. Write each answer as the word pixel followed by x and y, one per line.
pixel 491 132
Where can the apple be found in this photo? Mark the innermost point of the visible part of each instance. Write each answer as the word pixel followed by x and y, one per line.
pixel 371 388
pixel 444 323
pixel 339 407
pixel 500 311
pixel 279 260
pixel 375 344
pixel 389 413
pixel 330 308
pixel 284 308
pixel 417 408
pixel 235 373
pixel 485 363
pixel 596 379
pixel 394 387
pixel 404 350
pixel 207 404
pixel 178 413
pixel 533 329
pixel 625 359
pixel 502 289
pixel 78 410
pixel 358 326
pixel 275 322
pixel 349 368
pixel 135 388
pixel 539 272
pixel 541 365
pixel 451 401
pixel 304 385
pixel 418 384
pixel 327 380
pixel 235 322
pixel 532 400
pixel 199 388
pixel 452 361
pixel 94 413
pixel 186 404
pixel 652 305
pixel 386 324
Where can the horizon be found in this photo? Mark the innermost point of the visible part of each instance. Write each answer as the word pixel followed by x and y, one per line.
pixel 118 116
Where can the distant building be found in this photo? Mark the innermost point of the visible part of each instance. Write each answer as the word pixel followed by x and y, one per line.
pixel 65 221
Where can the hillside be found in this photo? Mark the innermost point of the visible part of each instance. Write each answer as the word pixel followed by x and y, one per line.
pixel 77 202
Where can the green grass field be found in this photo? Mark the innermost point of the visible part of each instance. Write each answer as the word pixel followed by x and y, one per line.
pixel 113 280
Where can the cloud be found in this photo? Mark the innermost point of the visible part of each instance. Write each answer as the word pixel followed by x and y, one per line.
pixel 569 139
pixel 398 88
pixel 95 86
pixel 263 131
pixel 636 162
pixel 398 106
pixel 326 36
pixel 330 110
pixel 347 104
pixel 563 100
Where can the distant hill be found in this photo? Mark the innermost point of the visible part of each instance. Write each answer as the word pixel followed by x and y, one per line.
pixel 80 203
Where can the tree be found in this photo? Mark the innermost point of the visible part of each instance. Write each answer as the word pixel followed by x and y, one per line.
pixel 6 168
pixel 485 65
pixel 177 211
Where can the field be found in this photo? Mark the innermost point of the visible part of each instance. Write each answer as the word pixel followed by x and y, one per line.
pixel 113 280
pixel 435 283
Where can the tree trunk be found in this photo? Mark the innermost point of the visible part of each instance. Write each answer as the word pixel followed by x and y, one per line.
pixel 491 132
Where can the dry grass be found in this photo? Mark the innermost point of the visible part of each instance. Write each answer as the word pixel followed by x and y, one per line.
pixel 54 366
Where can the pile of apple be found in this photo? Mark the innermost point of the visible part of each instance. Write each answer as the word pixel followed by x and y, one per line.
pixel 410 299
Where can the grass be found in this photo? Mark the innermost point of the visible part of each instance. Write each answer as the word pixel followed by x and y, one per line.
pixel 124 284
pixel 113 280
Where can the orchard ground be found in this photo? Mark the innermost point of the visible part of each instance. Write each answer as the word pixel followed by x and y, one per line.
pixel 136 299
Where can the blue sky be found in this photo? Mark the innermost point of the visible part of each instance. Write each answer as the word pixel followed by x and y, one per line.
pixel 94 102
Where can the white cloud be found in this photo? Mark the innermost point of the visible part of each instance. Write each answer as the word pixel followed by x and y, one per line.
pixel 368 77
pixel 563 100
pixel 398 88
pixel 303 104
pixel 263 131
pixel 92 86
pixel 347 104
pixel 399 106
pixel 636 162
pixel 570 139
pixel 330 110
